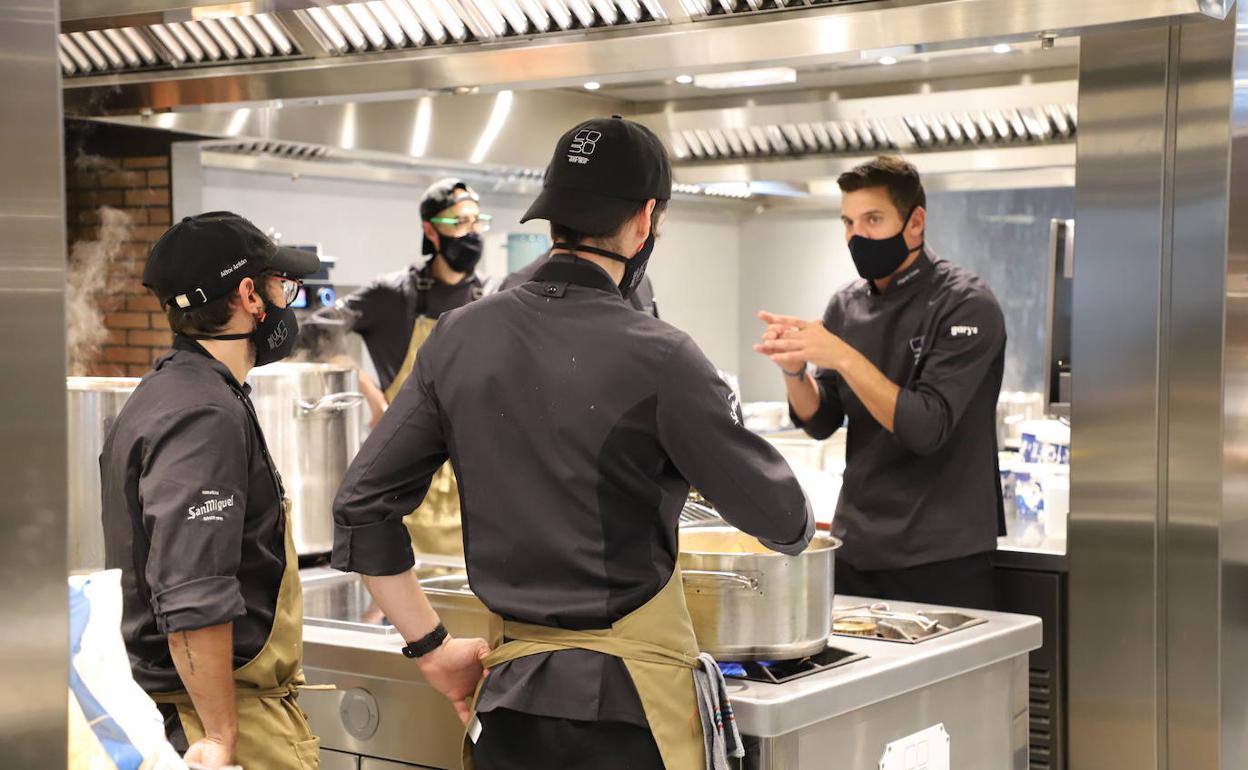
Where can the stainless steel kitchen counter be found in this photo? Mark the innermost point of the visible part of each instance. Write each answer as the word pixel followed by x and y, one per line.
pixel 891 669
pixel 384 708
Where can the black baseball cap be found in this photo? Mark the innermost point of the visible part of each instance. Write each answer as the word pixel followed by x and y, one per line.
pixel 602 170
pixel 439 197
pixel 203 258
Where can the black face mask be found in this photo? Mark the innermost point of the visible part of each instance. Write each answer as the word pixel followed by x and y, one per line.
pixel 274 335
pixel 463 253
pixel 878 258
pixel 634 269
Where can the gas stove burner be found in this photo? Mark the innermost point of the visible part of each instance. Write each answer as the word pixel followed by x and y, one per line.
pixel 878 621
pixel 780 671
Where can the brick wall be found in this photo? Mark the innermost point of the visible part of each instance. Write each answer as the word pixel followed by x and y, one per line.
pixel 139 187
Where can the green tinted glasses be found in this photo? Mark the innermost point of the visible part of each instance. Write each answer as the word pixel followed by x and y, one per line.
pixel 479 223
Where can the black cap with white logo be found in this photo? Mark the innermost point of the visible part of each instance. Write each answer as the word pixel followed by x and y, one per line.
pixel 602 170
pixel 204 257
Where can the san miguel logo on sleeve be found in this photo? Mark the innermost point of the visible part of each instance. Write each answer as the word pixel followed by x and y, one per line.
pixel 210 509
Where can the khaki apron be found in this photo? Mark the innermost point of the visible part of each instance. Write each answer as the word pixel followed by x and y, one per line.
pixel 273 732
pixel 657 645
pixel 434 526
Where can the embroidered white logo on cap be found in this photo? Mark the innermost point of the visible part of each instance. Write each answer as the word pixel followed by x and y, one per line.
pixel 583 145
pixel 963 331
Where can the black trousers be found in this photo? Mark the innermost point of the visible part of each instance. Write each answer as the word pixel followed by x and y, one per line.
pixel 511 740
pixel 965 582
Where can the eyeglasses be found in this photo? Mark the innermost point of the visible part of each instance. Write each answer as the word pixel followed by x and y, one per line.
pixel 290 287
pixel 478 224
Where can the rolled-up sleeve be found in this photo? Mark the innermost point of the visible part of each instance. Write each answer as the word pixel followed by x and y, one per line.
pixel 830 415
pixel 749 483
pixel 969 340
pixel 389 478
pixel 193 491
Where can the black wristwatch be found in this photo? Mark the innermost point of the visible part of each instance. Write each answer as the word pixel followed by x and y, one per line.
pixel 427 643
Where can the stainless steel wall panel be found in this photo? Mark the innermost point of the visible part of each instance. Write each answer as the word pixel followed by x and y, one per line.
pixel 1233 648
pixel 1115 407
pixel 33 647
pixel 1189 558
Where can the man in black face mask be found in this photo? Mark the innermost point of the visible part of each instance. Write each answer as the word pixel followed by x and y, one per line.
pixel 193 509
pixel 397 311
pixel 913 355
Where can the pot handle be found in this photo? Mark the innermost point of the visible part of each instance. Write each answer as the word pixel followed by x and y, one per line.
pixel 735 579
pixel 334 402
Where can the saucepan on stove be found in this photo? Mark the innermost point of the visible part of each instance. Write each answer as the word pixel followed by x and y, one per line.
pixel 750 603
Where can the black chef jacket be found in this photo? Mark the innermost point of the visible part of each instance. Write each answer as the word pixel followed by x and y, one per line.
pixel 192 513
pixel 930 490
pixel 384 311
pixel 575 426
pixel 641 299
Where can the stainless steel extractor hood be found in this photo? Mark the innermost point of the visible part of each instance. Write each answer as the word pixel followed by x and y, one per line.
pixel 120 57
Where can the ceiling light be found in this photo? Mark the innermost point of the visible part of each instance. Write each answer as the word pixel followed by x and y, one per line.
pixel 684 80
pixel 888 61
pixel 593 85
pixel 747 78
pixel 1001 48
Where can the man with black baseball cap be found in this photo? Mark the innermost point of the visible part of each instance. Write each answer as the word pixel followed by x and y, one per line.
pixel 576 427
pixel 193 506
pixel 395 313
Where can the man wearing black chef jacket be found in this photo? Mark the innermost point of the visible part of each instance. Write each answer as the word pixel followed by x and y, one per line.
pixel 576 426
pixel 913 356
pixel 194 511
pixel 642 300
pixel 395 315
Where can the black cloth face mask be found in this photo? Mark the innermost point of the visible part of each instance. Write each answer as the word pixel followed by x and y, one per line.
pixel 634 269
pixel 877 258
pixel 463 253
pixel 274 335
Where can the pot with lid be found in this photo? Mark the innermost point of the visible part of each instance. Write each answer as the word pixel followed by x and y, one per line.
pixel 310 415
pixel 750 603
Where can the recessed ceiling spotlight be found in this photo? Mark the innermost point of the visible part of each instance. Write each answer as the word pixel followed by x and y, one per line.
pixel 1001 48
pixel 593 85
pixel 684 80
pixel 888 61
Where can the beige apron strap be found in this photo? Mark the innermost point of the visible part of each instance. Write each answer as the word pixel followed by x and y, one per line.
pixel 273 731
pixel 657 645
pixel 420 332
pixel 434 526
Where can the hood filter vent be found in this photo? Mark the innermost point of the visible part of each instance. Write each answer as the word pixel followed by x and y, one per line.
pixel 175 44
pixel 715 9
pixel 292 150
pixel 1050 123
pixel 384 25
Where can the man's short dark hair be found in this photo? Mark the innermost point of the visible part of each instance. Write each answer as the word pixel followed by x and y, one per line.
pixel 897 176
pixel 209 318
pixel 561 234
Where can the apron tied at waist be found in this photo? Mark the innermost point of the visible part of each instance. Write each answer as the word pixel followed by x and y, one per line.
pixel 273 732
pixel 658 648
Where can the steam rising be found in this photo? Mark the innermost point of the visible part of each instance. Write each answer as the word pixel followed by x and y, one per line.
pixel 88 277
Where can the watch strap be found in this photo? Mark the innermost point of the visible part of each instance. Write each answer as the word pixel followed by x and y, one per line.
pixel 427 643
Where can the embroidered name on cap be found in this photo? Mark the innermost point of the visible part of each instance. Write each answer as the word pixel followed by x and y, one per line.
pixel 963 331
pixel 233 267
